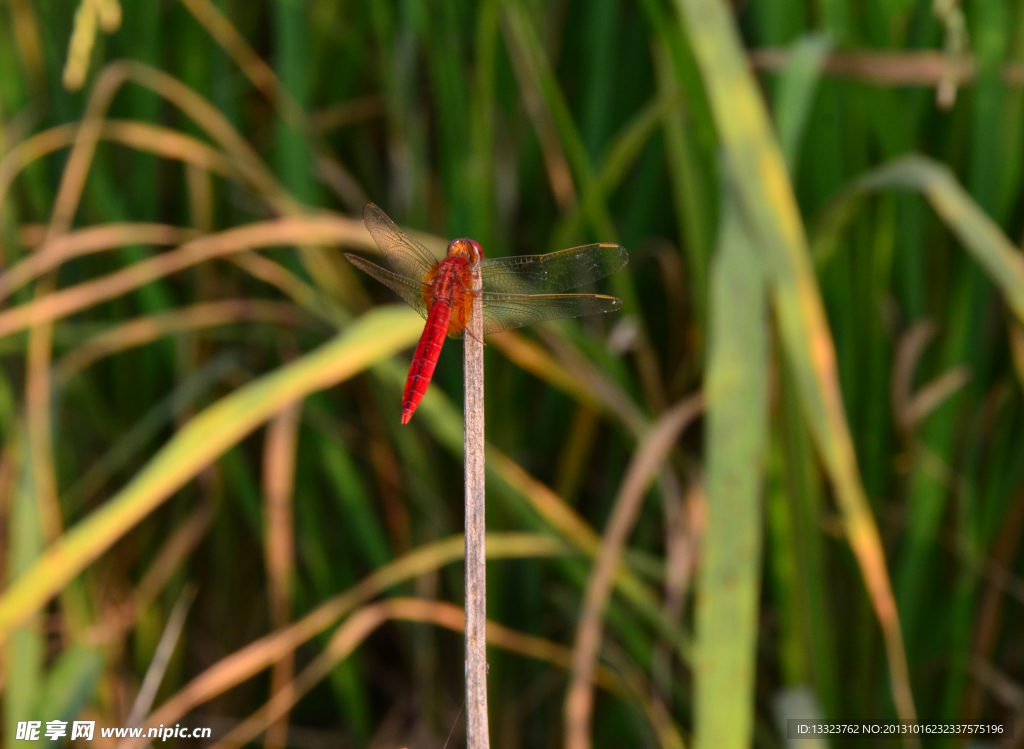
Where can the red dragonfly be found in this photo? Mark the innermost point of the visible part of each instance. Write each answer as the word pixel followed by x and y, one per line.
pixel 517 291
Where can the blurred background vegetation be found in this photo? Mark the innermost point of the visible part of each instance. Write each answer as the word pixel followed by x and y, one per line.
pixel 786 481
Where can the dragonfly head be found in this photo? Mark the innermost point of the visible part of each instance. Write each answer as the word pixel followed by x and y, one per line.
pixel 467 248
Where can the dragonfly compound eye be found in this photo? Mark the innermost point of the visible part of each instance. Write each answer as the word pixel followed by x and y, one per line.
pixel 468 248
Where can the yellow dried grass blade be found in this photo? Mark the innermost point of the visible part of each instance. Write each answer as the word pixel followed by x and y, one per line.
pixel 373 337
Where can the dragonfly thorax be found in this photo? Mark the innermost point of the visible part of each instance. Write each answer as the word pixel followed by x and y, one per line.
pixel 467 248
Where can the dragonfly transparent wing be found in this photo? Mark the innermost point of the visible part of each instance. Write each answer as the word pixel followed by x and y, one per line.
pixel 405 254
pixel 511 311
pixel 552 273
pixel 415 293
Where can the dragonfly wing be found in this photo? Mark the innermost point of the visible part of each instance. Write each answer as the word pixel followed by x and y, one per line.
pixel 415 293
pixel 510 311
pixel 405 254
pixel 554 272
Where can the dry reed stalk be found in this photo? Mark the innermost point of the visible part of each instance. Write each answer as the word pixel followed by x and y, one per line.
pixel 38 395
pixel 303 294
pixel 200 197
pixel 142 136
pixel 279 455
pixel 162 657
pixel 651 453
pixel 891 69
pixel 321 230
pixel 52 254
pixel 261 75
pixel 556 163
pixel 477 732
pixel 140 331
pixel 348 112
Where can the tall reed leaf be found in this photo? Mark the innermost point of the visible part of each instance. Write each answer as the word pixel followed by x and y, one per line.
pixel 737 425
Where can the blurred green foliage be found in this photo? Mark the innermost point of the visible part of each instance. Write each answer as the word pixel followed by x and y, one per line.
pixel 529 125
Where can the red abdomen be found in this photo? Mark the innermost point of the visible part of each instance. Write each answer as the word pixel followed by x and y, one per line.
pixel 425 358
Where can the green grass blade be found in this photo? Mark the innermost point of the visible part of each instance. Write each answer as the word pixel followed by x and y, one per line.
pixel 26 650
pixel 693 205
pixel 293 57
pixel 354 503
pixel 794 95
pixel 620 157
pixel 977 232
pixel 71 683
pixel 805 510
pixel 737 422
